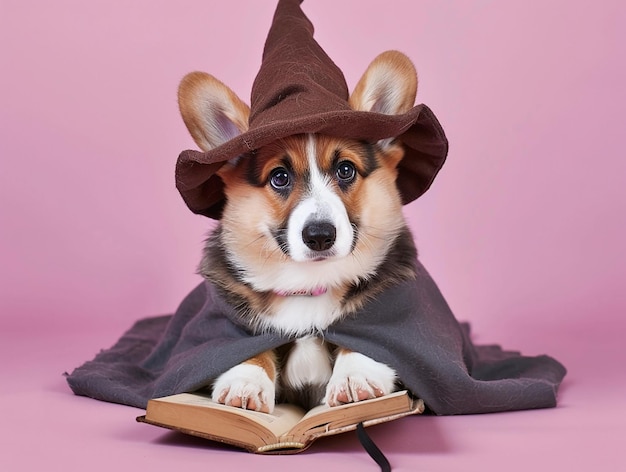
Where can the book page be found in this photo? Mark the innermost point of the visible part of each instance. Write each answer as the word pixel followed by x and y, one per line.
pixel 326 418
pixel 279 422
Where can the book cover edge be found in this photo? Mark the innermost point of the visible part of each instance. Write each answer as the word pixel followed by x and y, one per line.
pixel 290 447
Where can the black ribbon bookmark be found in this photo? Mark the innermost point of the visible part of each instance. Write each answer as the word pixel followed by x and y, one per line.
pixel 372 449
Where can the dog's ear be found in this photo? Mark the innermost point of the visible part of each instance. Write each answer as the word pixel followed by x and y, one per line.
pixel 212 112
pixel 388 86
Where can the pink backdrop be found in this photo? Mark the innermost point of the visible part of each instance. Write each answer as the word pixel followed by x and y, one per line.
pixel 524 228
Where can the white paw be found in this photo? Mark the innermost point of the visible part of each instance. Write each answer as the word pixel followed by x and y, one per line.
pixel 245 386
pixel 357 377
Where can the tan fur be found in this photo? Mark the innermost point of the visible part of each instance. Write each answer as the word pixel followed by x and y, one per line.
pixel 267 361
pixel 269 158
pixel 374 200
pixel 203 100
pixel 390 65
pixel 255 212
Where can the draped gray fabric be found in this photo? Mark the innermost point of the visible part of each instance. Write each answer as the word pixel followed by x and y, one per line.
pixel 408 327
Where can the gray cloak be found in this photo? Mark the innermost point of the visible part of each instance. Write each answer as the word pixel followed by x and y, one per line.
pixel 408 327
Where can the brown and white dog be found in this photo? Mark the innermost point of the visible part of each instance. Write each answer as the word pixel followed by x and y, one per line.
pixel 312 228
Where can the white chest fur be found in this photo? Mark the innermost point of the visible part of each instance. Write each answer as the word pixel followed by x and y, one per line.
pixel 308 363
pixel 302 315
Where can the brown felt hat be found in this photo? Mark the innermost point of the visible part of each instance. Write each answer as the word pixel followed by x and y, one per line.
pixel 299 89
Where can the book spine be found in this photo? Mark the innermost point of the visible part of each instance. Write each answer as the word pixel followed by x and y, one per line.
pixel 269 448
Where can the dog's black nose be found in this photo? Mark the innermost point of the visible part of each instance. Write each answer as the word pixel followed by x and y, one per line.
pixel 319 235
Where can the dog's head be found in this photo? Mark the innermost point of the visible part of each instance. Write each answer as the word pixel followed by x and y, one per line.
pixel 309 210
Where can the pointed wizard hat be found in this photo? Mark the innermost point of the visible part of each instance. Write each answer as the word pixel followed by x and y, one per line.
pixel 299 89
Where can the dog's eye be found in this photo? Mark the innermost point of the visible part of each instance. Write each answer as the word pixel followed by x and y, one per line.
pixel 346 172
pixel 279 178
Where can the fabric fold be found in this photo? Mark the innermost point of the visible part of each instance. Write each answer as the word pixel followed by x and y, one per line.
pixel 408 327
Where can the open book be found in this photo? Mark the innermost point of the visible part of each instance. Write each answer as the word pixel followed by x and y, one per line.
pixel 288 429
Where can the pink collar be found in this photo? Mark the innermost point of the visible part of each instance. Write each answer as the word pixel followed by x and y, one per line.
pixel 315 292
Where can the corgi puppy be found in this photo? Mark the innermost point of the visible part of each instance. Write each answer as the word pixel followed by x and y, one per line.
pixel 312 228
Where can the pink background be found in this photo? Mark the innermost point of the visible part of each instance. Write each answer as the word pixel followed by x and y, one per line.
pixel 524 228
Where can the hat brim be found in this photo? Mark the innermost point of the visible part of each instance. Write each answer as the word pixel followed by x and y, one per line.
pixel 424 140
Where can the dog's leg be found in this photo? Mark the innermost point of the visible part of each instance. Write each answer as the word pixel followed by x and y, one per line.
pixel 357 377
pixel 250 385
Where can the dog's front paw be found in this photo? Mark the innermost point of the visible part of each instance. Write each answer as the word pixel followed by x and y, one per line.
pixel 357 377
pixel 245 386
